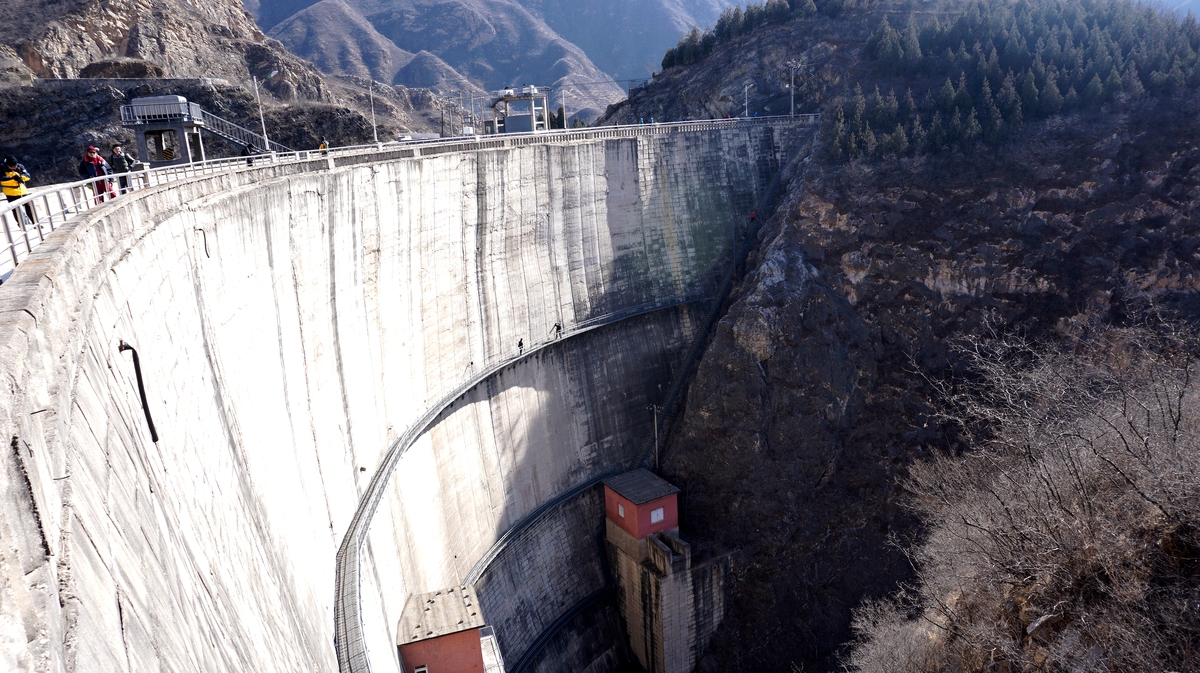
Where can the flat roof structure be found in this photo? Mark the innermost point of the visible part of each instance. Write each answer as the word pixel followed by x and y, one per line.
pixel 439 613
pixel 640 486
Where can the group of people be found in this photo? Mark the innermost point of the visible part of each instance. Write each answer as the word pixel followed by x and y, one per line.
pixel 119 164
pixel 14 177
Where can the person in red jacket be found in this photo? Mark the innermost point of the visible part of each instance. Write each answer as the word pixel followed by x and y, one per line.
pixel 94 166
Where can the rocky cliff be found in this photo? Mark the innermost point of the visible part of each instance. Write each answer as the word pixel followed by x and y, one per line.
pixel 816 391
pixel 186 39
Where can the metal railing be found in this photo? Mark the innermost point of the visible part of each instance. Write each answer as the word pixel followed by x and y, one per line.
pixel 27 221
pixel 145 113
pixel 149 113
pixel 236 134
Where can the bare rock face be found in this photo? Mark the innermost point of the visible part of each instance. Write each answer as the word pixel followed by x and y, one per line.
pixel 815 392
pixel 215 39
pixel 122 69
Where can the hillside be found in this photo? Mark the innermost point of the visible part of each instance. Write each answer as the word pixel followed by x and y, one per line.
pixel 337 39
pixel 826 380
pixel 490 43
pixel 476 45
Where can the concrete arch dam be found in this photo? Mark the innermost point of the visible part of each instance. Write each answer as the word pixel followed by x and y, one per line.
pixel 290 324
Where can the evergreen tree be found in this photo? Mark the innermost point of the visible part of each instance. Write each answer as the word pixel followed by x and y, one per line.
pixel 908 107
pixel 1029 94
pixel 1113 85
pixel 937 134
pixel 1133 83
pixel 1009 102
pixel 1071 100
pixel 945 101
pixel 971 129
pixel 910 46
pixel 867 140
pixel 1093 93
pixel 962 99
pixel 858 109
pixel 918 141
pixel 1051 100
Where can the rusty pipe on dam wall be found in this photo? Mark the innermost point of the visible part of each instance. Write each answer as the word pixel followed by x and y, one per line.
pixel 137 370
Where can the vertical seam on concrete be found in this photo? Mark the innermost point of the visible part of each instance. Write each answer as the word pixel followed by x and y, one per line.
pixel 331 214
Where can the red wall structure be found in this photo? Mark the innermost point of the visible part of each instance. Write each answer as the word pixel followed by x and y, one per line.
pixel 454 653
pixel 636 521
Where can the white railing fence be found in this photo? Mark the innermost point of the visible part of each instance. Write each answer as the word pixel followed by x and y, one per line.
pixel 29 220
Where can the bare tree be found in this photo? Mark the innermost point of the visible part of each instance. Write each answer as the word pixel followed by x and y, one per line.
pixel 1069 538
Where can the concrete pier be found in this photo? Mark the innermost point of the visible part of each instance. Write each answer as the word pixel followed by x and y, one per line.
pixel 292 322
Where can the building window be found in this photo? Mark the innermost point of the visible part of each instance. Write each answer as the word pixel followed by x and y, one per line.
pixel 422 669
pixel 656 515
pixel 620 510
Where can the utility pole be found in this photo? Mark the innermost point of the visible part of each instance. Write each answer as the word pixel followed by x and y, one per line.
pixel 792 66
pixel 656 409
pixel 746 97
pixel 374 130
pixel 262 120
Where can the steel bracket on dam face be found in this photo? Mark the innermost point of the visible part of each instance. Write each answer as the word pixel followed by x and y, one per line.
pixel 288 315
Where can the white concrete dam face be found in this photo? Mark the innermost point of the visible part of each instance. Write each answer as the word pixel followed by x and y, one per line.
pixel 291 321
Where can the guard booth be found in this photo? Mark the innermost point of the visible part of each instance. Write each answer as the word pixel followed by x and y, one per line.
pixel 167 129
pixel 524 112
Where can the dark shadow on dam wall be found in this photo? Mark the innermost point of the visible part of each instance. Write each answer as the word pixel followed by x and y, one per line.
pixel 291 322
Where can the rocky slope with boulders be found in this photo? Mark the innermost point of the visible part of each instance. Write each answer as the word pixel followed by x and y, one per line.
pixel 824 380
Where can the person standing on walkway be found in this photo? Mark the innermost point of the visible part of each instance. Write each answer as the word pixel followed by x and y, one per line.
pixel 13 183
pixel 121 164
pixel 94 166
pixel 324 146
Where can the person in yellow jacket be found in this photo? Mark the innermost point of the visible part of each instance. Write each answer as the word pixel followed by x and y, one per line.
pixel 13 183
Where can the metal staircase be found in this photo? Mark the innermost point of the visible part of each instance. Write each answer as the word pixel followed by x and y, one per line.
pixel 183 111
pixel 236 134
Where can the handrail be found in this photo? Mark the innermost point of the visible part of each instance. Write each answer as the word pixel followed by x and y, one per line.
pixel 236 134
pixel 55 205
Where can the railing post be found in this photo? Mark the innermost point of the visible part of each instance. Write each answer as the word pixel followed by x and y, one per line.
pixel 12 247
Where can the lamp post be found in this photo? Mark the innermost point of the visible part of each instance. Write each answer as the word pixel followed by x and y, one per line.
pixel 746 97
pixel 566 113
pixel 792 65
pixel 371 92
pixel 262 120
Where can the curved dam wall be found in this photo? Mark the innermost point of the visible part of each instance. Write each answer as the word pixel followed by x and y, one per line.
pixel 290 322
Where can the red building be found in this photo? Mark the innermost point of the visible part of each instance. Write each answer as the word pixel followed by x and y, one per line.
pixel 444 632
pixel 641 503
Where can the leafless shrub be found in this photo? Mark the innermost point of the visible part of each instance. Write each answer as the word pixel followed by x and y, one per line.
pixel 1069 539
